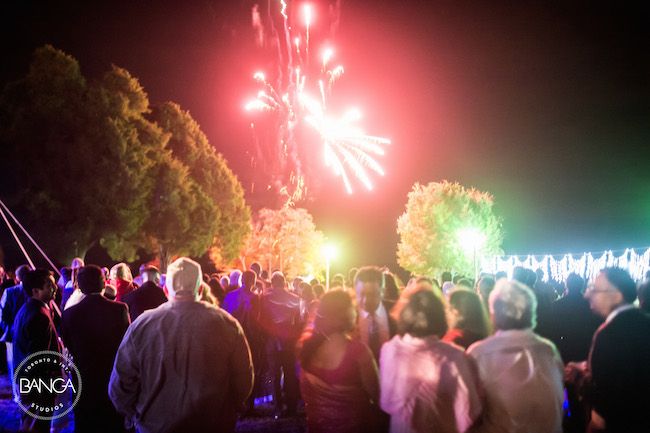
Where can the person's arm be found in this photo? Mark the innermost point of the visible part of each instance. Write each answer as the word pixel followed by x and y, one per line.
pixel 124 385
pixel 369 373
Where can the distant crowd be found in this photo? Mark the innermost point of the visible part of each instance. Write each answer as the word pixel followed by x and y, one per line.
pixel 185 351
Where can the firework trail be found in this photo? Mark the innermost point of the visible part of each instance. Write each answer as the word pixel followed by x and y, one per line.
pixel 287 105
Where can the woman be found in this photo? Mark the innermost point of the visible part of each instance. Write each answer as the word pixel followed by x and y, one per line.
pixel 338 378
pixel 120 277
pixel 427 385
pixel 467 317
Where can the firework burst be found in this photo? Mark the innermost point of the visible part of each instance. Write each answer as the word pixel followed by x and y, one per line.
pixel 344 146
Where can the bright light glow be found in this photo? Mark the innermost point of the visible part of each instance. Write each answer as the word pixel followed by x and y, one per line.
pixel 327 55
pixel 586 265
pixel 329 251
pixel 307 12
pixel 471 239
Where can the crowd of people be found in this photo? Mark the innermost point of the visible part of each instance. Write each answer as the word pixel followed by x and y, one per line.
pixel 186 351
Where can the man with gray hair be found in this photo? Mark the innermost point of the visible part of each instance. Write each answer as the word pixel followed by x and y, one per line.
pixel 184 366
pixel 522 372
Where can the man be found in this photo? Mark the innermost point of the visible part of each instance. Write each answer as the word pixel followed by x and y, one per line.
pixel 92 331
pixel 146 297
pixel 573 322
pixel 620 355
pixel 280 319
pixel 34 331
pixel 184 366
pixel 521 372
pixel 375 326
pixel 12 299
pixel 244 305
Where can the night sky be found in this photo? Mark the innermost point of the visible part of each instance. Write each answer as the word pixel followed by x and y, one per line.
pixel 546 105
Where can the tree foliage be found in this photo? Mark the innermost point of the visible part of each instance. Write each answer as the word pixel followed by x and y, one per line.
pixel 430 228
pixel 94 163
pixel 286 239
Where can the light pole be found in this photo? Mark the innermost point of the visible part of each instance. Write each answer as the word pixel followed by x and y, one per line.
pixel 329 251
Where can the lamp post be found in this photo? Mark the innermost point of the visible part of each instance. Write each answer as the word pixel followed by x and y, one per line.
pixel 329 251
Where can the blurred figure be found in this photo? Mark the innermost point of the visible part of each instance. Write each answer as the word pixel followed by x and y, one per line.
pixel 522 372
pixel 146 297
pixel 338 377
pixel 644 296
pixel 468 319
pixel 427 385
pixel 120 277
pixel 484 288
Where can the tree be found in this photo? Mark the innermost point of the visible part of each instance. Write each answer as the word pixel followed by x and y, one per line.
pixel 286 239
pixel 77 172
pixel 432 226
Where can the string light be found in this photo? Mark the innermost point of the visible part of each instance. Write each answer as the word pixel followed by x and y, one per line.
pixel 587 266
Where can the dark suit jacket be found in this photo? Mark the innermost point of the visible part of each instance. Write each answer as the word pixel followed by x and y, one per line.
pixel 34 331
pixel 92 331
pixel 148 296
pixel 12 299
pixel 619 363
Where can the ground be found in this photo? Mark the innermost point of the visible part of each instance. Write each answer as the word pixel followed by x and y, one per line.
pixel 265 422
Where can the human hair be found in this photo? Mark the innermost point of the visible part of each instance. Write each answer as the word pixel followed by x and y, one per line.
pixel 235 275
pixel 121 271
pixel 466 282
pixel 574 283
pixel 257 268
pixel 446 276
pixel 217 290
pixel 338 280
pixel 392 291
pixel 369 274
pixel 333 315
pixel 248 279
pixel 484 287
pixel 307 291
pixel 90 279
pixel 513 305
pixel 472 315
pixel 277 280
pixel 206 294
pixel 520 274
pixel 150 273
pixel 420 313
pixel 319 290
pixel 622 281
pixel 35 280
pixel 21 272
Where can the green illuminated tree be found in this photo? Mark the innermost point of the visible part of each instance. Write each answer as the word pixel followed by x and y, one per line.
pixel 436 219
pixel 288 240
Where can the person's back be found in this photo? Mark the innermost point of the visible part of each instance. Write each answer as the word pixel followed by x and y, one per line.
pixel 146 297
pixel 184 366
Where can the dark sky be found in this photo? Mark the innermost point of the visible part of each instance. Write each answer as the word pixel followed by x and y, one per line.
pixel 546 105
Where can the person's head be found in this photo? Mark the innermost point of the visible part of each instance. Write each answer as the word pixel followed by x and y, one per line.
pixel 531 278
pixel 574 283
pixel 205 294
pixel 225 282
pixel 338 280
pixel 485 287
pixel 39 284
pixel 512 305
pixel 319 290
pixel 613 288
pixel 277 280
pixel 468 313
pixel 21 272
pixel 499 275
pixel 248 280
pixel 257 268
pixel 446 276
pixel 307 292
pixel 90 279
pixel 77 263
pixel 296 283
pixel 235 275
pixel 110 291
pixel 520 274
pixel 150 273
pixel 184 277
pixel 420 313
pixel 121 271
pixel 336 313
pixel 466 283
pixel 369 285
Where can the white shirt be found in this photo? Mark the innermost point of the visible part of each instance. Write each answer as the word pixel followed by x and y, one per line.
pixel 381 319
